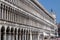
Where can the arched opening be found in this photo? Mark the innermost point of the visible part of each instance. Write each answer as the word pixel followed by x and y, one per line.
pixel 15 33
pixel 27 35
pixel 12 33
pixel 19 34
pixel 7 33
pixel 12 29
pixel 24 34
pixel 8 30
pixel 2 32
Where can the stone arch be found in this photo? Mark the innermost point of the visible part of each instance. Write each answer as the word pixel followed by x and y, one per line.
pixel 15 31
pixel 19 31
pixel 8 33
pixel 2 29
pixel 24 31
pixel 8 30
pixel 27 35
pixel 2 32
pixel 12 30
pixel 19 36
pixel 12 33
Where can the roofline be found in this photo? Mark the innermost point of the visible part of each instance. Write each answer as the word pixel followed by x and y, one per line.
pixel 42 8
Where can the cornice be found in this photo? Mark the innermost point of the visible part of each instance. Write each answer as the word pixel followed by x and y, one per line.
pixel 42 8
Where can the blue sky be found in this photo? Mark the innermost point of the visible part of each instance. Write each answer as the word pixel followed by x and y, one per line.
pixel 52 4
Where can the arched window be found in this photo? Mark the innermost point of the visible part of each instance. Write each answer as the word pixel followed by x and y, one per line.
pixel 12 33
pixel 2 32
pixel 7 33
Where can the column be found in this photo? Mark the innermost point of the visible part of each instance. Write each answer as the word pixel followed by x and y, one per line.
pixel 10 36
pixel 0 33
pixel 38 36
pixel 20 35
pixel 30 35
pixel 5 35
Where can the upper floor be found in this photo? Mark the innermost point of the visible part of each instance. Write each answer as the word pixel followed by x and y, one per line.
pixel 25 12
pixel 33 7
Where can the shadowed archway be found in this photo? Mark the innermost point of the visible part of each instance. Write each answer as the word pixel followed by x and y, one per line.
pixel 2 32
pixel 19 34
pixel 7 33
pixel 15 33
pixel 12 33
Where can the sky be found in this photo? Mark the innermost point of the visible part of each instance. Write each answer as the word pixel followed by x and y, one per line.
pixel 54 5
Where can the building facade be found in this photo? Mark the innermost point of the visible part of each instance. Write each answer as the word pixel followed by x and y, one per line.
pixel 58 29
pixel 25 20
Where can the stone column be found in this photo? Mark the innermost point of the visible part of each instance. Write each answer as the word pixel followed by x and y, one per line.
pixel 5 35
pixel 49 37
pixel 43 36
pixel 30 35
pixel 20 35
pixel 0 34
pixel 38 36
pixel 12 36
